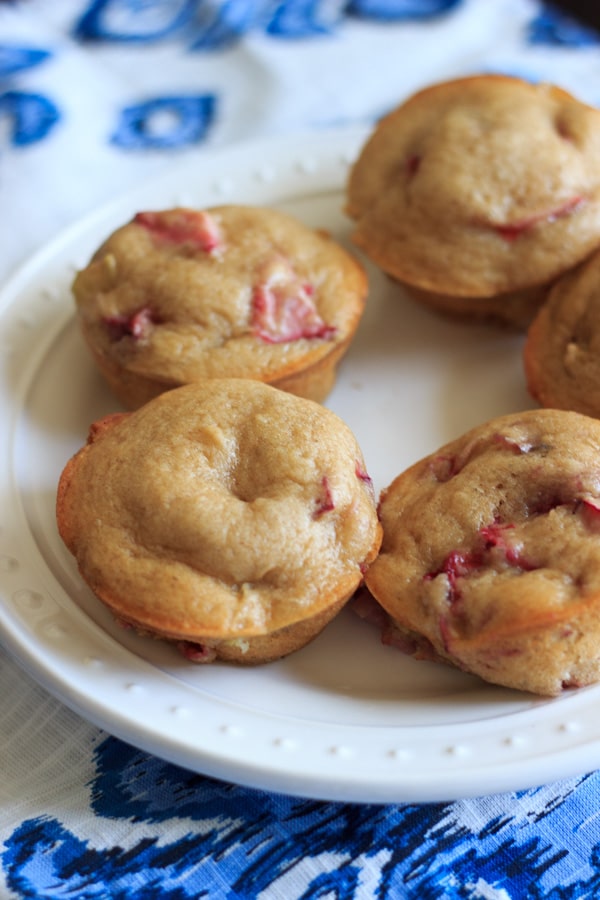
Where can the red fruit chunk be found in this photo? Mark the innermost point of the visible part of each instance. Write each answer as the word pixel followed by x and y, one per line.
pixel 511 231
pixel 457 564
pixel 362 475
pixel 196 653
pixel 495 536
pixel 324 501
pixel 283 309
pixel 590 512
pixel 461 563
pixel 412 165
pixel 182 226
pixel 591 506
pixel 445 634
pixel 136 325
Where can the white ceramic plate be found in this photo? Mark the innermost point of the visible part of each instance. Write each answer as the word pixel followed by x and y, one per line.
pixel 346 718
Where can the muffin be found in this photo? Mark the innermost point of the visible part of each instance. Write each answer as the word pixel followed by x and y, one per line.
pixel 227 516
pixel 180 295
pixel 478 193
pixel 562 351
pixel 490 558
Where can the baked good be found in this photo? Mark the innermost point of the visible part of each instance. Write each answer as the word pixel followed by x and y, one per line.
pixel 228 516
pixel 477 193
pixel 490 558
pixel 562 351
pixel 180 295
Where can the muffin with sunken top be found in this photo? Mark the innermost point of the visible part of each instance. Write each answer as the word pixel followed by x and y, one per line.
pixel 228 516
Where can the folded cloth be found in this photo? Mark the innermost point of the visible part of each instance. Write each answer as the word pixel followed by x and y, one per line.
pixel 98 96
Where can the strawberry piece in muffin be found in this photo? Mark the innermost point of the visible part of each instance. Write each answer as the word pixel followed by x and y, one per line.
pixel 136 325
pixel 225 517
pixel 283 307
pixel 477 194
pixel 182 226
pixel 233 291
pixel 496 566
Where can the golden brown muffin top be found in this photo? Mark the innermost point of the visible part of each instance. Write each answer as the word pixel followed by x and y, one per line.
pixel 235 291
pixel 480 186
pixel 225 508
pixel 562 351
pixel 497 533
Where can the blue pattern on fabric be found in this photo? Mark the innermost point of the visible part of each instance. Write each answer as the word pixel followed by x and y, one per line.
pixel 31 116
pixel 396 10
pixel 220 26
pixel 423 852
pixel 165 122
pixel 301 18
pixel 16 59
pixel 134 20
pixel 553 27
pixel 210 26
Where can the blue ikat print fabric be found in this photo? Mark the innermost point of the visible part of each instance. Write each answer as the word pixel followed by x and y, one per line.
pixel 99 95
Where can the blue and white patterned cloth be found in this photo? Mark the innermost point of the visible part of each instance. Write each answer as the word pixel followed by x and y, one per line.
pixel 98 95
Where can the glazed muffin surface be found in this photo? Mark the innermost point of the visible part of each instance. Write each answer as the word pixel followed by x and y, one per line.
pixel 491 552
pixel 221 512
pixel 180 295
pixel 479 187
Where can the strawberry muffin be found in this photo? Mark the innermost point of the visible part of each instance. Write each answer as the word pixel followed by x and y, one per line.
pixel 181 295
pixel 227 516
pixel 562 350
pixel 476 194
pixel 490 558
